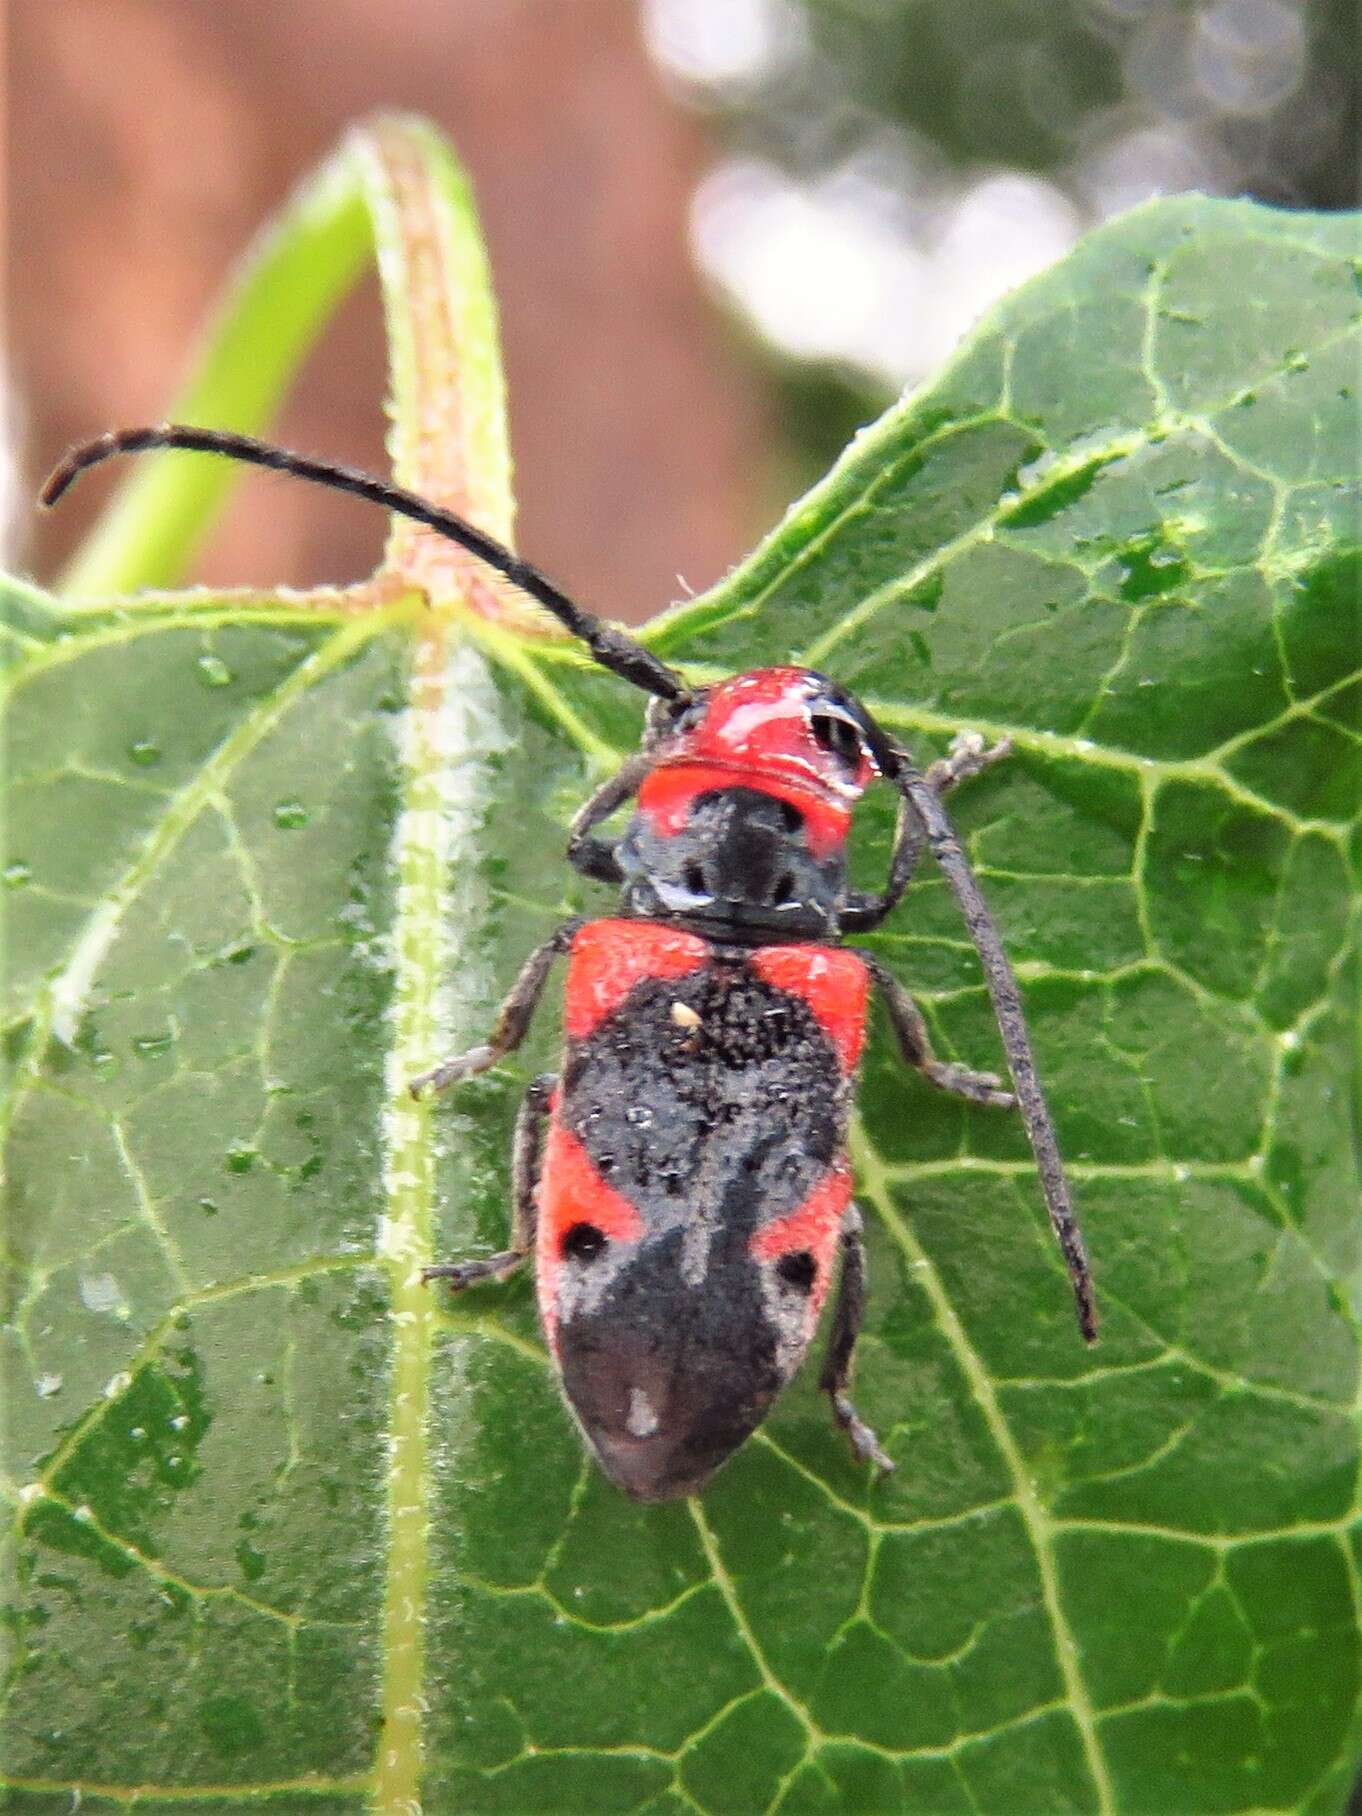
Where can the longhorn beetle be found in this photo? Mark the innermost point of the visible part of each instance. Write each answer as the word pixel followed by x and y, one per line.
pixel 683 1184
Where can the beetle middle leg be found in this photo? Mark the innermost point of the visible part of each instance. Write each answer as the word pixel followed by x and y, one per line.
pixel 915 1046
pixel 527 1149
pixel 846 1324
pixel 513 1020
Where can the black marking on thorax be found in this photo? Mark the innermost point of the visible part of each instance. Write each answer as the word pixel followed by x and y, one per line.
pixel 740 868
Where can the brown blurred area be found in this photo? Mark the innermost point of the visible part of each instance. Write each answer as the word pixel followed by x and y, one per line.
pixel 148 139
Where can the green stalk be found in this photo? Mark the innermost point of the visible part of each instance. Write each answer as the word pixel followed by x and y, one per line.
pixel 289 284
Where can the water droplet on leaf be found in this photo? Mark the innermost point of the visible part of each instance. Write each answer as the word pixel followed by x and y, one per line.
pixel 102 1293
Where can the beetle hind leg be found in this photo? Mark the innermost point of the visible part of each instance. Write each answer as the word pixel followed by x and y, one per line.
pixel 910 1031
pixel 527 1149
pixel 846 1324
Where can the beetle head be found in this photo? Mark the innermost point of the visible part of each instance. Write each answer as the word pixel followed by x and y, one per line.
pixel 789 733
pixel 743 818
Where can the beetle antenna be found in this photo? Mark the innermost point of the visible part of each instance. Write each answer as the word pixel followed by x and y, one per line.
pixel 1002 987
pixel 612 647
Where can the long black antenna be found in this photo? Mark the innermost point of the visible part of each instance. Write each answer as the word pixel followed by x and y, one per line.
pixel 612 647
pixel 1002 987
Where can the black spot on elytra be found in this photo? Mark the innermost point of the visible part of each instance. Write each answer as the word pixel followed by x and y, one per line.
pixel 798 1270
pixel 583 1242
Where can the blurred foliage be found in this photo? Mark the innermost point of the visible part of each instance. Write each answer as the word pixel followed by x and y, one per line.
pixel 1030 82
pixel 1108 101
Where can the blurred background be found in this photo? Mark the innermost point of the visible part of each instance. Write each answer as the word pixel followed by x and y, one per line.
pixel 723 232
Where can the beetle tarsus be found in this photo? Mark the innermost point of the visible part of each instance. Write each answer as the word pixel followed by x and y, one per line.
pixel 978 1087
pixel 863 1440
pixel 846 1325
pixel 462 1274
pixel 967 756
pixel 527 1151
pixel 915 1047
pixel 513 1018
pixel 450 1071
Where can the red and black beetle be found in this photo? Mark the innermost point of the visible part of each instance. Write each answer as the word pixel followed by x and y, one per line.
pixel 683 1184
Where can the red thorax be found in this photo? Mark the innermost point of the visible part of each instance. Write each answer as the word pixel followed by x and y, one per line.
pixel 757 732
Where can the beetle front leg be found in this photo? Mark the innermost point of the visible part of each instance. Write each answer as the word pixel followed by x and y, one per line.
pixel 915 1046
pixel 968 755
pixel 595 857
pixel 847 1314
pixel 512 1022
pixel 527 1149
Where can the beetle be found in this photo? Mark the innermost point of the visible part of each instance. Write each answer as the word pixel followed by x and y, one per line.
pixel 683 1184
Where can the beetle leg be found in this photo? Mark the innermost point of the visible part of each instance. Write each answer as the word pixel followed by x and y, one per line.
pixel 1011 1019
pixel 595 857
pixel 512 1022
pixel 968 755
pixel 846 1324
pixel 916 1048
pixel 527 1149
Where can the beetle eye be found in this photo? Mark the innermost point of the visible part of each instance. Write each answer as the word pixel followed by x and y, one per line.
pixel 798 1270
pixel 838 736
pixel 686 714
pixel 583 1242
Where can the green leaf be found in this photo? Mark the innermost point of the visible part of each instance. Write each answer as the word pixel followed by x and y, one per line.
pixel 286 1523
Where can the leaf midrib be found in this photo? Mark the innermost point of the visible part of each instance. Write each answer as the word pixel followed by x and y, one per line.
pixel 430 845
pixel 420 917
